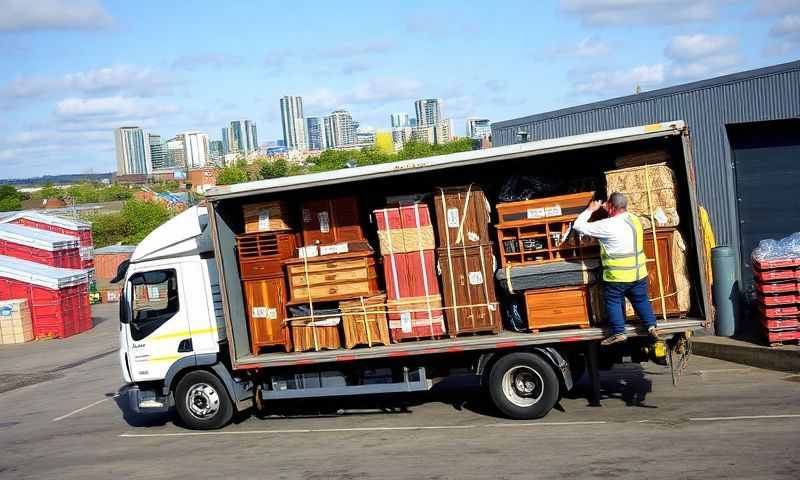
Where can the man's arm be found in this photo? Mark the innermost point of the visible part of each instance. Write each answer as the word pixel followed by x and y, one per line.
pixel 599 229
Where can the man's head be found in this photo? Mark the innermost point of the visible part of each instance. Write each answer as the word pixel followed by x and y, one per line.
pixel 617 203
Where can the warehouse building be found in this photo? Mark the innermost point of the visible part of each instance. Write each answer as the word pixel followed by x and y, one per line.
pixel 745 131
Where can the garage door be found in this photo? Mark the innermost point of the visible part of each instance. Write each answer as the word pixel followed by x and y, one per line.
pixel 767 168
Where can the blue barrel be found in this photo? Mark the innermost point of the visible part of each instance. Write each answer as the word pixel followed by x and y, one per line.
pixel 727 295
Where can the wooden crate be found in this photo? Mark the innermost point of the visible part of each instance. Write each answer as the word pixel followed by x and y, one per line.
pixel 469 297
pixel 15 322
pixel 462 215
pixel 540 230
pixel 266 217
pixel 315 335
pixel 260 254
pixel 558 307
pixel 265 299
pixel 330 221
pixel 364 321
pixel 332 278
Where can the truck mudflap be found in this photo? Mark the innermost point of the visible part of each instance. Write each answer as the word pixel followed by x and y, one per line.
pixel 147 401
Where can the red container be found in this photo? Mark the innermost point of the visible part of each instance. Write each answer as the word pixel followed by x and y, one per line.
pixel 409 268
pixel 87 258
pixel 58 297
pixel 778 299
pixel 48 248
pixel 788 323
pixel 777 274
pixel 52 223
pixel 779 336
pixel 780 287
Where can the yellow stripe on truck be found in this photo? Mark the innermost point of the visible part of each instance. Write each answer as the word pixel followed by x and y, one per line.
pixel 165 358
pixel 182 334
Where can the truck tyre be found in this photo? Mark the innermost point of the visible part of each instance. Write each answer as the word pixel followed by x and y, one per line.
pixel 523 386
pixel 202 401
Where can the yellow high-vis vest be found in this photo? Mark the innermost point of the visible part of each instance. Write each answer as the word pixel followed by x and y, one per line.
pixel 626 267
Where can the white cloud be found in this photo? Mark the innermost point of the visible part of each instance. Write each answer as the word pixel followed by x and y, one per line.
pixel 208 59
pixel 111 108
pixel 624 81
pixel 374 90
pixel 787 27
pixel 25 15
pixel 640 12
pixel 139 80
pixel 777 7
pixel 700 55
pixel 589 47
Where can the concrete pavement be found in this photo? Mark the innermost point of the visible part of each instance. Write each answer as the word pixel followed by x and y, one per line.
pixel 723 420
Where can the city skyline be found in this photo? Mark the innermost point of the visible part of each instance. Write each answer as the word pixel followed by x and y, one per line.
pixel 75 71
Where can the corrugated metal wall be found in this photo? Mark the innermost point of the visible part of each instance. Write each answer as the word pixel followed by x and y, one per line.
pixel 767 94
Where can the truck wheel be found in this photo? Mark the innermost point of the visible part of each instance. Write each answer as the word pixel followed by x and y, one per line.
pixel 523 386
pixel 202 401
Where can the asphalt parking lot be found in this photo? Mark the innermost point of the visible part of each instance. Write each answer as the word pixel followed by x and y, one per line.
pixel 59 418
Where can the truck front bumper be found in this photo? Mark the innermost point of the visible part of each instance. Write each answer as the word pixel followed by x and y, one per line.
pixel 147 401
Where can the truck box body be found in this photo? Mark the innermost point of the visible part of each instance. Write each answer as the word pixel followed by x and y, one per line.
pixel 582 155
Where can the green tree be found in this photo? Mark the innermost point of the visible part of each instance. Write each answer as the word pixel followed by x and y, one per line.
pixel 136 220
pixel 50 191
pixel 10 198
pixel 231 174
pixel 274 168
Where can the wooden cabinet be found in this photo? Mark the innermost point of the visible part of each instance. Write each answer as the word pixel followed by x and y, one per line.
pixel 558 307
pixel 266 217
pixel 462 215
pixel 469 296
pixel 331 278
pixel 673 273
pixel 260 254
pixel 266 299
pixel 540 230
pixel 331 221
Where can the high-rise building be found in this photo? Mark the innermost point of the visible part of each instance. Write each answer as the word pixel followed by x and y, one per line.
pixel 429 111
pixel 215 152
pixel 242 137
pixel 315 129
pixel 294 125
pixel 399 120
pixel 132 151
pixel 424 134
pixel 226 141
pixel 176 154
pixel 443 131
pixel 157 152
pixel 340 129
pixel 195 148
pixel 401 136
pixel 365 137
pixel 478 128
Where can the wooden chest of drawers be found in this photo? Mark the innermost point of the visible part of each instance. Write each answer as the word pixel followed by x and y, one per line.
pixel 260 254
pixel 332 278
pixel 558 307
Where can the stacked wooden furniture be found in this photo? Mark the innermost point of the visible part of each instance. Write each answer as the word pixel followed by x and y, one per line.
pixel 540 230
pixel 364 321
pixel 466 260
pixel 315 329
pixel 535 233
pixel 332 277
pixel 414 301
pixel 331 221
pixel 264 286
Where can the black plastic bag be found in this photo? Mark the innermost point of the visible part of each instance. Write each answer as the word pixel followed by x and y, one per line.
pixel 523 187
pixel 515 317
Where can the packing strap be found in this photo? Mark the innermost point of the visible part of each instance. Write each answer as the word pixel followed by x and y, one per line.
pixel 424 268
pixel 310 304
pixel 460 235
pixel 655 242
pixel 450 261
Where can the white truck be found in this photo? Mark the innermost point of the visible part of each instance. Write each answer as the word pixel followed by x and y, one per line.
pixel 184 335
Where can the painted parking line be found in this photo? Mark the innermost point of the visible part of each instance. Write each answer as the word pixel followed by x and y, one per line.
pixel 743 417
pixel 358 429
pixel 79 410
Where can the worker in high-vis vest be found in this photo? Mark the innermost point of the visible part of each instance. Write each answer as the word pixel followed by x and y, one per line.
pixel 624 271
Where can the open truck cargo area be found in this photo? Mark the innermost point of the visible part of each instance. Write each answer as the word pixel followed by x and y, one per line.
pixel 275 323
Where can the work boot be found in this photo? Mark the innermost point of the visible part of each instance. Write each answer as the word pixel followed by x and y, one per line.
pixel 653 332
pixel 617 338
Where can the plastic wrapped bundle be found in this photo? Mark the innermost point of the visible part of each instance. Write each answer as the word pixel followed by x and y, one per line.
pixel 770 249
pixel 791 245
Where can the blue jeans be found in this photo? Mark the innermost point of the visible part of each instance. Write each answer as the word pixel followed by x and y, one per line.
pixel 614 294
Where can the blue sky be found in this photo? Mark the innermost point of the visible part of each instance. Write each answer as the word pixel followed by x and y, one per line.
pixel 72 70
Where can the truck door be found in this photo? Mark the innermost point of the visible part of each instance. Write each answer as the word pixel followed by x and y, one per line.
pixel 157 326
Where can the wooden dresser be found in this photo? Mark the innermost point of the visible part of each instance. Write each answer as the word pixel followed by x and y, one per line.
pixel 264 286
pixel 332 278
pixel 558 307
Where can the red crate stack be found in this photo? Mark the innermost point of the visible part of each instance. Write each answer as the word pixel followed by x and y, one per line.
pixel 48 248
pixel 777 285
pixel 409 266
pixel 57 297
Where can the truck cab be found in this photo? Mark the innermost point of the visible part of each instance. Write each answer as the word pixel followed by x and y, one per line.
pixel 170 317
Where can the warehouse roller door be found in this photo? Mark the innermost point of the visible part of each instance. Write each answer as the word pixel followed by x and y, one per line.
pixel 766 157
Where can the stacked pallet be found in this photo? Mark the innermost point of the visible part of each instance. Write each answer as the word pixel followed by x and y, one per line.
pixel 777 285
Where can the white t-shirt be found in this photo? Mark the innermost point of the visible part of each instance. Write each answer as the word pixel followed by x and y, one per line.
pixel 613 232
